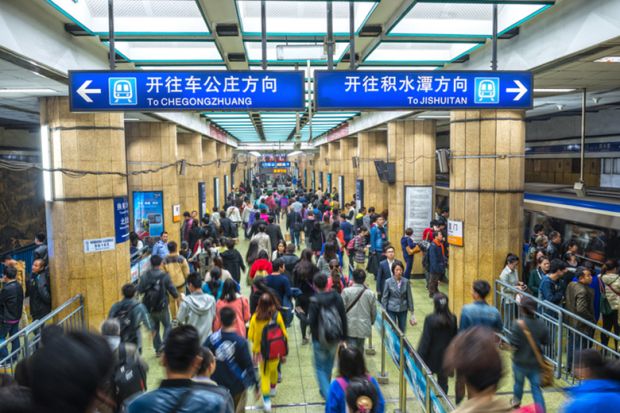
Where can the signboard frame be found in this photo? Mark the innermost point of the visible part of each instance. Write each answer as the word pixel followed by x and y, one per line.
pixel 176 213
pixel 359 194
pixel 121 219
pixel 417 235
pixel 79 87
pixel 341 190
pixel 526 104
pixel 202 198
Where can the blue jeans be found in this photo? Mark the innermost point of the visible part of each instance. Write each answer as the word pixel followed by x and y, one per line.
pixel 400 318
pixel 533 376
pixel 409 269
pixel 160 317
pixel 323 365
pixel 295 237
pixel 8 330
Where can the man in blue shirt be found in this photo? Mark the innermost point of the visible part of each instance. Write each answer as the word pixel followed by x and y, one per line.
pixel 182 357
pixel 161 247
pixel 552 286
pixel 408 244
pixel 478 313
pixel 347 228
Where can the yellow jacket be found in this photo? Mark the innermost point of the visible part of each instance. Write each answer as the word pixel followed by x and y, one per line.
pixel 255 332
pixel 178 269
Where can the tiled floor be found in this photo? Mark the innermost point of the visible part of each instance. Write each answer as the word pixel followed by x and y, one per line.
pixel 298 391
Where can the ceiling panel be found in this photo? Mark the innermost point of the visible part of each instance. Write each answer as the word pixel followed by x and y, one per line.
pixel 461 19
pixel 418 52
pixel 136 17
pixel 300 18
pixel 169 51
pixel 254 51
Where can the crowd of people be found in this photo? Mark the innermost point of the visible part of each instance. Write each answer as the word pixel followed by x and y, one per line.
pixel 218 345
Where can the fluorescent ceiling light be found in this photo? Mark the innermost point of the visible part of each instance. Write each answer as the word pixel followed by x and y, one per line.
pixel 137 17
pixel 132 120
pixel 418 52
pixel 254 51
pixel 433 117
pixel 46 161
pixel 301 52
pixel 34 91
pixel 408 68
pixel 447 18
pixel 552 90
pixel 608 59
pixel 301 17
pixel 163 51
pixel 214 67
pixel 254 153
pixel 295 153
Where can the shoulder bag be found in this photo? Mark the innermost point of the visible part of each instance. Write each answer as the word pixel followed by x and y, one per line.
pixel 546 368
pixel 357 298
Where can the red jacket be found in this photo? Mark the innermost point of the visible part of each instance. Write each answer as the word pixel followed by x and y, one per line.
pixel 260 264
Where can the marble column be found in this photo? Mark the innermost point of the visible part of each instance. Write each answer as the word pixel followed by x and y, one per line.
pixel 83 206
pixel 190 149
pixel 348 150
pixel 486 194
pixel 152 145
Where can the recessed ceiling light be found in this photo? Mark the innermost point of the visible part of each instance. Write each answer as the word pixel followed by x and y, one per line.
pixel 27 90
pixel 556 90
pixel 132 120
pixel 608 59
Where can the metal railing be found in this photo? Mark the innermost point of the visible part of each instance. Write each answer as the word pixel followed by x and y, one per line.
pixel 70 315
pixel 411 369
pixel 140 263
pixel 568 333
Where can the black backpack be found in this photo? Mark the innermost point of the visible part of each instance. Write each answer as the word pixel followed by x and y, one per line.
pixel 330 327
pixel 123 315
pixel 129 376
pixel 154 298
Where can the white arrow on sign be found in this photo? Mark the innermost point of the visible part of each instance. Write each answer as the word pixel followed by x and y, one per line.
pixel 84 91
pixel 520 89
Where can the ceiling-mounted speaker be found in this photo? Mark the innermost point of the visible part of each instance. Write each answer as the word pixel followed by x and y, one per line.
pixel 227 29
pixel 347 57
pixel 371 30
pixel 76 30
pixel 236 57
pixel 183 167
pixel 462 59
pixel 356 161
pixel 510 33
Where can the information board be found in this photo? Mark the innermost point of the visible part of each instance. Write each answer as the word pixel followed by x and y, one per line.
pixel 275 164
pixel 140 90
pixel 341 190
pixel 121 219
pixel 216 192
pixel 455 233
pixel 402 90
pixel 148 213
pixel 202 198
pixel 99 245
pixel 418 209
pixel 359 194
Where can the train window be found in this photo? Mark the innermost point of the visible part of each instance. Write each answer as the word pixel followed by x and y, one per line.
pixel 608 166
pixel 597 244
pixel 616 166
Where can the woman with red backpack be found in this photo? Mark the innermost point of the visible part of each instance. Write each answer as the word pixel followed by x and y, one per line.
pixel 268 337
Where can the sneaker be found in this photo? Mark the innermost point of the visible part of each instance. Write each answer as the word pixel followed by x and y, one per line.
pixel 273 391
pixel 266 404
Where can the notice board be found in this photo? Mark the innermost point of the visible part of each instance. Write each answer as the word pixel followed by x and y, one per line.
pixel 418 209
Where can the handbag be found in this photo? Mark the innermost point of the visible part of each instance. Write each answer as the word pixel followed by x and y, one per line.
pixel 546 368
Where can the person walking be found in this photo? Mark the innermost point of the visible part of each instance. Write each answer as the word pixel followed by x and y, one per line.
pixel 526 332
pixel 610 285
pixel 384 272
pixel 266 315
pixel 233 261
pixel 182 358
pixel 155 286
pixel 294 224
pixel 357 254
pixel 263 240
pixel 177 267
pixel 239 304
pixel 378 240
pixel 234 368
pixel 438 332
pixel 580 301
pixel 303 274
pixel 360 305
pixel 437 263
pixel 328 323
pixel 351 366
pixel 409 249
pixel 397 298
pixel 11 309
pixel 131 314
pixel 197 308
pixel 38 290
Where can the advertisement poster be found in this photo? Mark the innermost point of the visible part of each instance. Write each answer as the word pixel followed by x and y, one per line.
pixel 148 213
pixel 359 194
pixel 321 181
pixel 121 219
pixel 226 185
pixel 341 190
pixel 202 198
pixel 313 179
pixel 329 182
pixel 418 209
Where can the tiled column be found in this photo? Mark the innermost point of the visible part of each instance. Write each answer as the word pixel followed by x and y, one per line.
pixel 83 206
pixel 371 146
pixel 322 168
pixel 348 149
pixel 151 145
pixel 209 156
pixel 411 145
pixel 190 149
pixel 334 164
pixel 486 193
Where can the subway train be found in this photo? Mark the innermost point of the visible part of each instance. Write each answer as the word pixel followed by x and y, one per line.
pixel 593 221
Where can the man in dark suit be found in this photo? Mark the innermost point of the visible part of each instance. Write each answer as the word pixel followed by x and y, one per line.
pixel 385 269
pixel 274 232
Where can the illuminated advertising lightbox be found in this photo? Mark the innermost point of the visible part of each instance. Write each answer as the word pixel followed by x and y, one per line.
pixel 148 213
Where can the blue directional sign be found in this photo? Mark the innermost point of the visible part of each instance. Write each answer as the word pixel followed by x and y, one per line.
pixel 275 164
pixel 126 91
pixel 402 90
